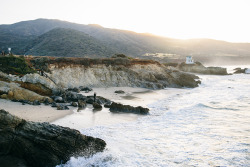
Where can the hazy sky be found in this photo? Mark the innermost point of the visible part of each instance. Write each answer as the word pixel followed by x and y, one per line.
pixel 218 19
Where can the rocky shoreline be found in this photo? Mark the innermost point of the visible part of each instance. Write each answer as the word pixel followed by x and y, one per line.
pixel 43 144
pixel 198 68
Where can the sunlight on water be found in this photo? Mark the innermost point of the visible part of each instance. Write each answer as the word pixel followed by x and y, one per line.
pixel 205 126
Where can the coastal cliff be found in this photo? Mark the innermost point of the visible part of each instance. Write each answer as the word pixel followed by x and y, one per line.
pixel 71 72
pixel 198 68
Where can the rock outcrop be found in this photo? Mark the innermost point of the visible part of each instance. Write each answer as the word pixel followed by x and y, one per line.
pixel 13 91
pixel 75 72
pixel 200 69
pixel 117 107
pixel 241 70
pixel 43 144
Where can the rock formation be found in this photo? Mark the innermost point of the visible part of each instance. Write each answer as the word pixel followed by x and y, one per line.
pixel 14 91
pixel 75 72
pixel 43 144
pixel 200 69
pixel 117 107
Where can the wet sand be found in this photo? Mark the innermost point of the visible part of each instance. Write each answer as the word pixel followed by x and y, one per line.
pixel 88 118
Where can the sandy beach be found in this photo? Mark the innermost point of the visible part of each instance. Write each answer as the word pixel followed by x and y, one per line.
pixel 87 117
pixel 41 113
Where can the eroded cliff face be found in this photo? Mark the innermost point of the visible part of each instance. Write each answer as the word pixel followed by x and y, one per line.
pixel 117 72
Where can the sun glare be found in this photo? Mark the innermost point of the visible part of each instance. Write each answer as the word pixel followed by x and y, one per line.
pixel 218 19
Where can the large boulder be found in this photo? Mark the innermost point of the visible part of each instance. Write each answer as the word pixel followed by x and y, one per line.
pixel 43 144
pixel 17 93
pixel 117 107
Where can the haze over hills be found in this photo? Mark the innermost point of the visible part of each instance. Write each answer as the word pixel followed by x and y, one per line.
pixel 60 38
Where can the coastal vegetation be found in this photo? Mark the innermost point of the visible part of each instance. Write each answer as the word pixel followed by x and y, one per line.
pixel 15 65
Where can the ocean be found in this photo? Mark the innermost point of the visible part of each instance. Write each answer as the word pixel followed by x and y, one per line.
pixel 204 126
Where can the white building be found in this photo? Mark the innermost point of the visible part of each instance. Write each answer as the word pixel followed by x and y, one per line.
pixel 189 60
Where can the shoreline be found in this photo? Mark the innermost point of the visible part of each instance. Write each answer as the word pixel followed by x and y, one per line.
pixel 87 117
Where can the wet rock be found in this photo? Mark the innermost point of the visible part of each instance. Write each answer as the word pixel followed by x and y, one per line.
pixel 82 104
pixel 90 100
pixel 36 103
pixel 117 107
pixel 85 88
pixel 46 101
pixel 107 105
pixel 62 107
pixel 119 92
pixel 239 70
pixel 74 104
pixel 43 144
pixel 97 106
pixel 58 99
pixel 54 104
pixel 72 96
pixel 81 97
pixel 75 89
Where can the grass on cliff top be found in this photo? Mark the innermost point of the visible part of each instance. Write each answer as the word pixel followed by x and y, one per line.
pixel 15 65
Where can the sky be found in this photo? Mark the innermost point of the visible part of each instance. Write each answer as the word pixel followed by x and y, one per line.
pixel 227 20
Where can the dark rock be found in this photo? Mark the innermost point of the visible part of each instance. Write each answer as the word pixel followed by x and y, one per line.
pixel 58 99
pixel 97 106
pixel 54 104
pixel 85 88
pixel 119 91
pixel 46 101
pixel 239 70
pixel 62 107
pixel 117 107
pixel 75 89
pixel 81 97
pixel 107 105
pixel 43 144
pixel 74 104
pixel 72 96
pixel 36 103
pixel 82 104
pixel 90 100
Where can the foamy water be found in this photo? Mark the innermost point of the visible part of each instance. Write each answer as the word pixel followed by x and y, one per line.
pixel 204 126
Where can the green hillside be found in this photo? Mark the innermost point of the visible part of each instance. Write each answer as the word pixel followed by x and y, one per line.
pixel 68 43
pixel 26 35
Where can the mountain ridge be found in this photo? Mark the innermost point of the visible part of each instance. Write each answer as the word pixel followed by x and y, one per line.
pixel 20 36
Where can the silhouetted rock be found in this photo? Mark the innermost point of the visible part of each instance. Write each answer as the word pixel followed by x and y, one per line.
pixel 117 107
pixel 53 104
pixel 74 104
pixel 119 92
pixel 82 104
pixel 62 107
pixel 240 70
pixel 36 103
pixel 43 144
pixel 97 105
pixel 85 88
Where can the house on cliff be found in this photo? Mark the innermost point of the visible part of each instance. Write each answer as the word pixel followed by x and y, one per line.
pixel 189 60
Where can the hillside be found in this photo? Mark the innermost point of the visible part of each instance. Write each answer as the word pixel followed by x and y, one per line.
pixel 21 36
pixel 68 43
